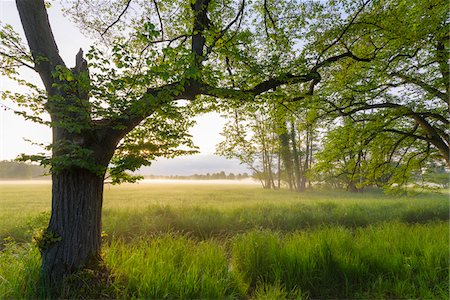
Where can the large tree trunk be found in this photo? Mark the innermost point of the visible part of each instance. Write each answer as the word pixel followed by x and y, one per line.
pixel 74 233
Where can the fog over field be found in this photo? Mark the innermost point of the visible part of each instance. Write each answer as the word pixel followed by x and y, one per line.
pixel 193 164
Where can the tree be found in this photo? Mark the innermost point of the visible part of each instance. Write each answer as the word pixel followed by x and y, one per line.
pixel 131 101
pixel 436 174
pixel 392 107
pixel 404 88
pixel 393 110
pixel 275 141
pixel 250 136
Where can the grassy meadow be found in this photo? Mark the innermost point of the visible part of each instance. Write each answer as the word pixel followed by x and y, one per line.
pixel 215 241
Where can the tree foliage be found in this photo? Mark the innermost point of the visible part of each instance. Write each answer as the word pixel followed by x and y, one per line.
pixel 388 107
pixel 135 82
pixel 395 107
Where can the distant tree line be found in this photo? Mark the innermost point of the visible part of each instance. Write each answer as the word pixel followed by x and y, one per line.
pixel 20 170
pixel 207 176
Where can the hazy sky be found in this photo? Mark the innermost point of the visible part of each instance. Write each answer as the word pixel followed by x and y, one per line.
pixel 13 129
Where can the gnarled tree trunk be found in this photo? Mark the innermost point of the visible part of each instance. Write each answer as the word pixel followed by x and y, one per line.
pixel 74 232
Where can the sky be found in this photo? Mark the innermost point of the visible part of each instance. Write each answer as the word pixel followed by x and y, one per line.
pixel 14 130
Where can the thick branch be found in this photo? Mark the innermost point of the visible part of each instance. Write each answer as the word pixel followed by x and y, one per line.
pixel 187 90
pixel 201 23
pixel 36 26
pixel 434 137
pixel 258 89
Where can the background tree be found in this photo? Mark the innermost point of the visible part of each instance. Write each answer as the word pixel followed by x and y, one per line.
pixel 392 108
pixel 275 139
pixel 402 93
pixel 359 155
pixel 250 137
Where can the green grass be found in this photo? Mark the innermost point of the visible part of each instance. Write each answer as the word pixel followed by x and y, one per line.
pixel 173 266
pixel 238 241
pixel 19 271
pixel 390 260
pixel 213 210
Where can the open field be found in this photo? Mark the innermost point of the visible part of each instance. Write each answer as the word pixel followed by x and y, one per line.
pixel 169 240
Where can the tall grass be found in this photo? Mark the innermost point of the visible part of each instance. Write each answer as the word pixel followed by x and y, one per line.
pixel 173 267
pixel 391 260
pixel 229 241
pixel 214 210
pixel 205 222
pixel 19 271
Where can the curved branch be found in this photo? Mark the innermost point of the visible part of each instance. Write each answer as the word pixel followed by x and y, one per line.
pixel 258 89
pixel 223 31
pixel 335 58
pixel 118 18
pixel 267 13
pixel 405 133
pixel 433 134
pixel 160 19
pixel 347 27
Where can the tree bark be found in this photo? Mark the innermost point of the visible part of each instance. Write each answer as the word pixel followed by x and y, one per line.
pixel 74 232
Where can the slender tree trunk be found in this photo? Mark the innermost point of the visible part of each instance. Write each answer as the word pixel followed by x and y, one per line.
pixel 265 170
pixel 73 237
pixel 352 187
pixel 272 181
pixel 306 165
pixel 297 171
pixel 269 170
pixel 286 155
pixel 311 140
pixel 279 169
